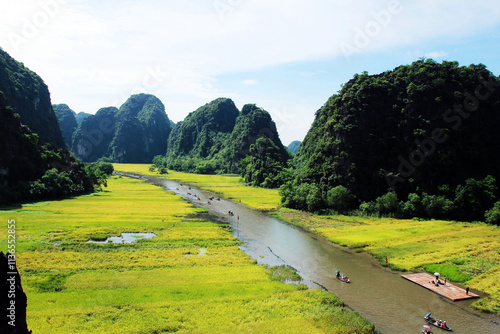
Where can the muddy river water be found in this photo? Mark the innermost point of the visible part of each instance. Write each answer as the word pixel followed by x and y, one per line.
pixel 380 295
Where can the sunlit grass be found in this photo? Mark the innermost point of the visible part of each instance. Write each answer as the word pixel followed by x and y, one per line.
pixel 231 187
pixel 191 278
pixel 462 252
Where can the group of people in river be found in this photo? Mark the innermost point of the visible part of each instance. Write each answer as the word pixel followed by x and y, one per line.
pixel 210 199
pixel 436 322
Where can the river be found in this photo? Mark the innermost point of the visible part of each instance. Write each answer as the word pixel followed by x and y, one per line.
pixel 379 294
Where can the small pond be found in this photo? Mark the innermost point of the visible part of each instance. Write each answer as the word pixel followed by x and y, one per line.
pixel 125 238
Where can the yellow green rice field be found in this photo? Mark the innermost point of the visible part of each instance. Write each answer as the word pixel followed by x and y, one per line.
pixel 461 252
pixel 231 187
pixel 467 253
pixel 191 278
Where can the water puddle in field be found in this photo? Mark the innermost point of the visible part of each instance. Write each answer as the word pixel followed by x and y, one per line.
pixel 379 294
pixel 124 238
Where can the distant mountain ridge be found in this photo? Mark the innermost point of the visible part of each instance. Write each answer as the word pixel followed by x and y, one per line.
pixel 294 146
pixel 135 133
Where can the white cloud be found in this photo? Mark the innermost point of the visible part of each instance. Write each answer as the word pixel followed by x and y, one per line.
pixel 436 54
pixel 249 82
pixel 92 52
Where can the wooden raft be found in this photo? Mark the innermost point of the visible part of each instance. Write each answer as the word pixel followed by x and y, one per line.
pixel 449 291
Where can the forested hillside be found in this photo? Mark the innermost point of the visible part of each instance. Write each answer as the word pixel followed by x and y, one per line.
pixel 31 170
pixel 91 140
pixel 421 140
pixel 67 121
pixel 135 133
pixel 203 133
pixel 28 95
pixel 216 137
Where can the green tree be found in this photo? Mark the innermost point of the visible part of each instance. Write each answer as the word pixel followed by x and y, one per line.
pixel 387 203
pixel 492 216
pixel 339 198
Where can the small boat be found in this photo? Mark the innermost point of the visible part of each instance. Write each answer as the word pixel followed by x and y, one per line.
pixel 434 322
pixel 342 277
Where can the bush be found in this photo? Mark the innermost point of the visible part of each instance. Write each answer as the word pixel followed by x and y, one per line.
pixel 306 196
pixel 314 199
pixel 106 168
pixel 205 167
pixel 492 216
pixel 339 198
pixel 412 207
pixel 387 203
pixel 437 206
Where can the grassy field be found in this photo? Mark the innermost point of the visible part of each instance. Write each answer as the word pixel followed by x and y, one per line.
pixel 462 252
pixel 191 278
pixel 231 187
pixel 467 253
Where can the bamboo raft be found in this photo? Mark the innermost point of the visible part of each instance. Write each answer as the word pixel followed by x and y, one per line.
pixel 447 290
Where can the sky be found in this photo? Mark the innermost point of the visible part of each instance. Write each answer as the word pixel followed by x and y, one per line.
pixel 287 57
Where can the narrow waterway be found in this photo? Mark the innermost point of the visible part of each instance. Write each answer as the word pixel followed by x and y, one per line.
pixel 380 295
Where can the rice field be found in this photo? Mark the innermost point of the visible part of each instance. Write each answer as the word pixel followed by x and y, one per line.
pixel 228 186
pixel 190 278
pixel 468 253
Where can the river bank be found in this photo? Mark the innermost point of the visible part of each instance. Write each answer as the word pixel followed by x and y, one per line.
pixel 191 277
pixel 467 253
pixel 377 293
pixel 431 248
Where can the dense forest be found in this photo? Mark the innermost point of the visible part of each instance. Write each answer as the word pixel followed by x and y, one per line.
pixel 32 170
pixel 419 141
pixel 217 136
pixel 36 165
pixel 136 132
pixel 67 121
pixel 28 95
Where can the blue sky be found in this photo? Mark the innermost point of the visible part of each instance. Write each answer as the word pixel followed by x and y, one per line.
pixel 287 57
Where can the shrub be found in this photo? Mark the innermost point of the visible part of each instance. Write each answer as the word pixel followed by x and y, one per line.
pixel 492 216
pixel 339 198
pixel 387 203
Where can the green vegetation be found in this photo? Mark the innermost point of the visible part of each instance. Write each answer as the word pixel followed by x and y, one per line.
pixel 92 139
pixel 294 146
pixel 136 132
pixel 216 137
pixel 228 186
pixel 191 278
pixel 265 166
pixel 32 171
pixel 405 143
pixel 461 252
pixel 81 116
pixel 28 95
pixel 67 121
